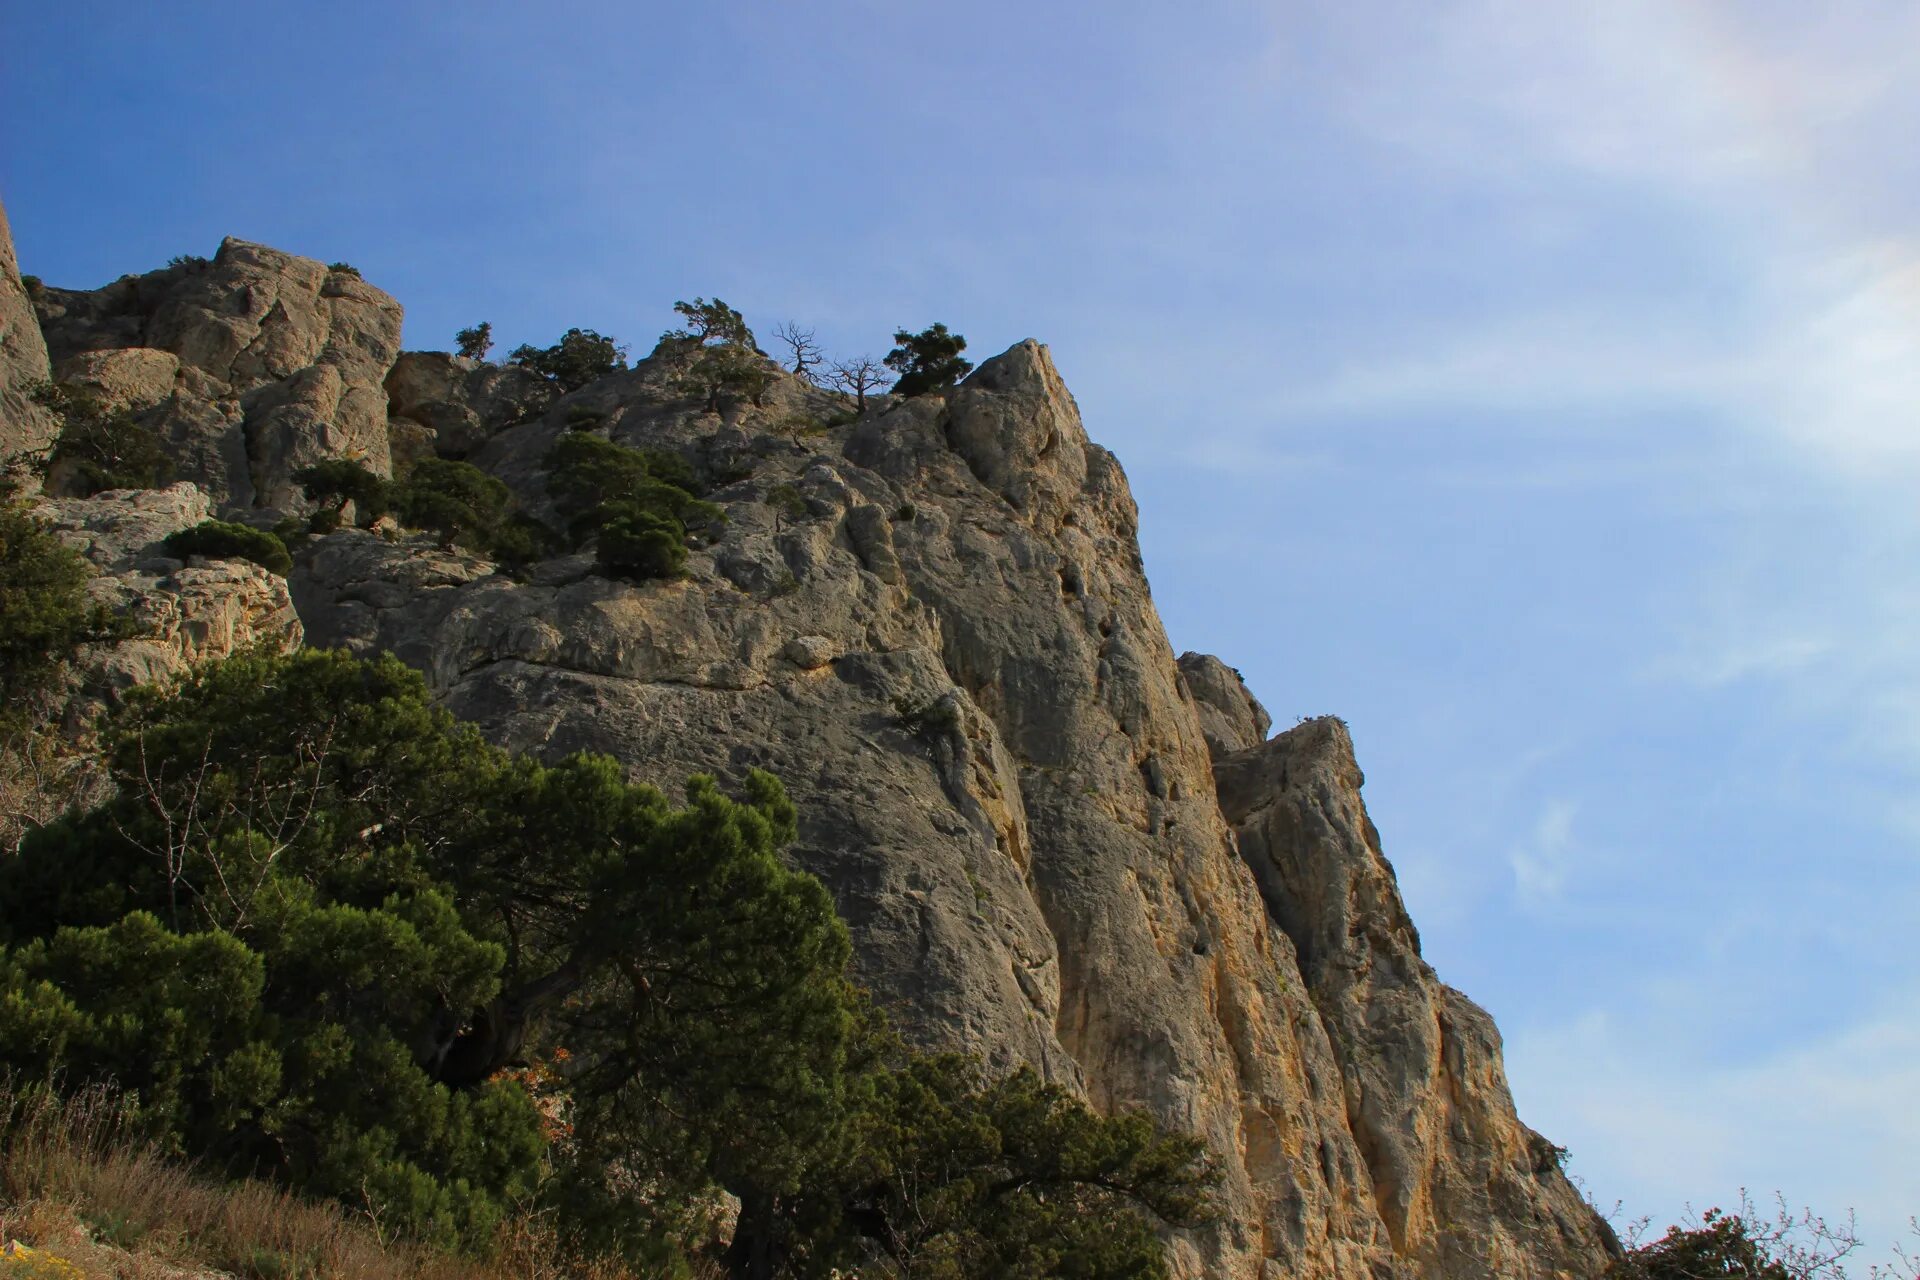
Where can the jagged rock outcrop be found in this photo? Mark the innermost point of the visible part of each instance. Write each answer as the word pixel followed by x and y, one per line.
pixel 250 366
pixel 1053 844
pixel 25 427
pixel 1462 1186
pixel 183 611
pixel 446 405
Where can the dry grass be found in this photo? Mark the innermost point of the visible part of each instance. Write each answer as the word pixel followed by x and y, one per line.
pixel 74 1182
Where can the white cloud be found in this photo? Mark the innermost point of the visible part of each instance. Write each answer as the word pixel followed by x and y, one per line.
pixel 1542 865
pixel 1829 1123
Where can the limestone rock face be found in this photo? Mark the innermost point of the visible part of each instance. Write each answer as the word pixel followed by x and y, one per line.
pixel 459 403
pixel 1231 718
pixel 185 612
pixel 24 426
pixel 278 361
pixel 1461 1185
pixel 934 627
pixel 1053 843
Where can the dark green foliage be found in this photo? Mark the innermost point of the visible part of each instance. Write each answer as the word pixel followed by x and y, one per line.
pixel 711 323
pixel 1745 1244
pixel 638 543
pixel 725 371
pixel 330 935
pixel 578 358
pixel 959 1175
pixel 344 269
pixel 33 285
pixel 520 540
pixel 585 470
pixel 220 540
pixel 190 260
pixel 1721 1246
pixel 474 343
pixel 906 512
pixel 319 918
pixel 637 503
pixel 580 417
pixel 788 501
pixel 930 719
pixel 456 500
pixel 340 481
pixel 45 614
pixel 320 523
pixel 101 447
pixel 927 361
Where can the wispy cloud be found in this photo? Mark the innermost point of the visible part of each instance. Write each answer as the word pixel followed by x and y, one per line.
pixel 1543 864
pixel 1677 1130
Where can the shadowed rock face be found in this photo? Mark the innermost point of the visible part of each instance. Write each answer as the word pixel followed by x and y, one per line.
pixel 24 426
pixel 946 648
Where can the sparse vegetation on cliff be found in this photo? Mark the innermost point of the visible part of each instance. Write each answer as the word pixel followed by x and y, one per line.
pixel 223 540
pixel 326 933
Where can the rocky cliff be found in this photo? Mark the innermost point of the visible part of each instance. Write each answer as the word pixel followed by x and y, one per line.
pixel 1054 843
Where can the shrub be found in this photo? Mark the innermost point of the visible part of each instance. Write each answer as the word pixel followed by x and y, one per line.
pixel 101 447
pixel 45 613
pixel 456 500
pixel 474 343
pixel 578 358
pixel 788 501
pixel 190 260
pixel 927 361
pixel 340 481
pixel 33 285
pixel 638 543
pixel 710 323
pixel 582 417
pixel 724 371
pixel 219 540
pixel 344 269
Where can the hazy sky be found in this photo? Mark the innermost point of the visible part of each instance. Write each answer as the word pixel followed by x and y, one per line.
pixel 1534 384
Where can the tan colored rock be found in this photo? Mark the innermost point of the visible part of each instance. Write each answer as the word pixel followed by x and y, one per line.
pixel 1006 781
pixel 25 427
pixel 126 378
pixel 462 402
pixel 1231 718
pixel 1463 1187
pixel 186 613
pixel 282 363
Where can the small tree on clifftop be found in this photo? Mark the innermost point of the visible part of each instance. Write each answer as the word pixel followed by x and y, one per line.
pixel 928 361
pixel 474 343
pixel 860 377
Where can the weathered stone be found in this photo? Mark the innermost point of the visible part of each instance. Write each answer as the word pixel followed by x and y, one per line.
pixel 25 427
pixel 1003 776
pixel 125 378
pixel 809 652
pixel 184 612
pixel 463 402
pixel 1462 1186
pixel 282 362
pixel 1231 718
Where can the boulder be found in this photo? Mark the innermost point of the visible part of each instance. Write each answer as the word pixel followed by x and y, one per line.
pixel 281 363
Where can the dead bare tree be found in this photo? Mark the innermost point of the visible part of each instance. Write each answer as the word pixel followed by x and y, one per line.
pixel 861 377
pixel 807 355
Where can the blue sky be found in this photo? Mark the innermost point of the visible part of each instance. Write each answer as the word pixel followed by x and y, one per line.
pixel 1537 386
